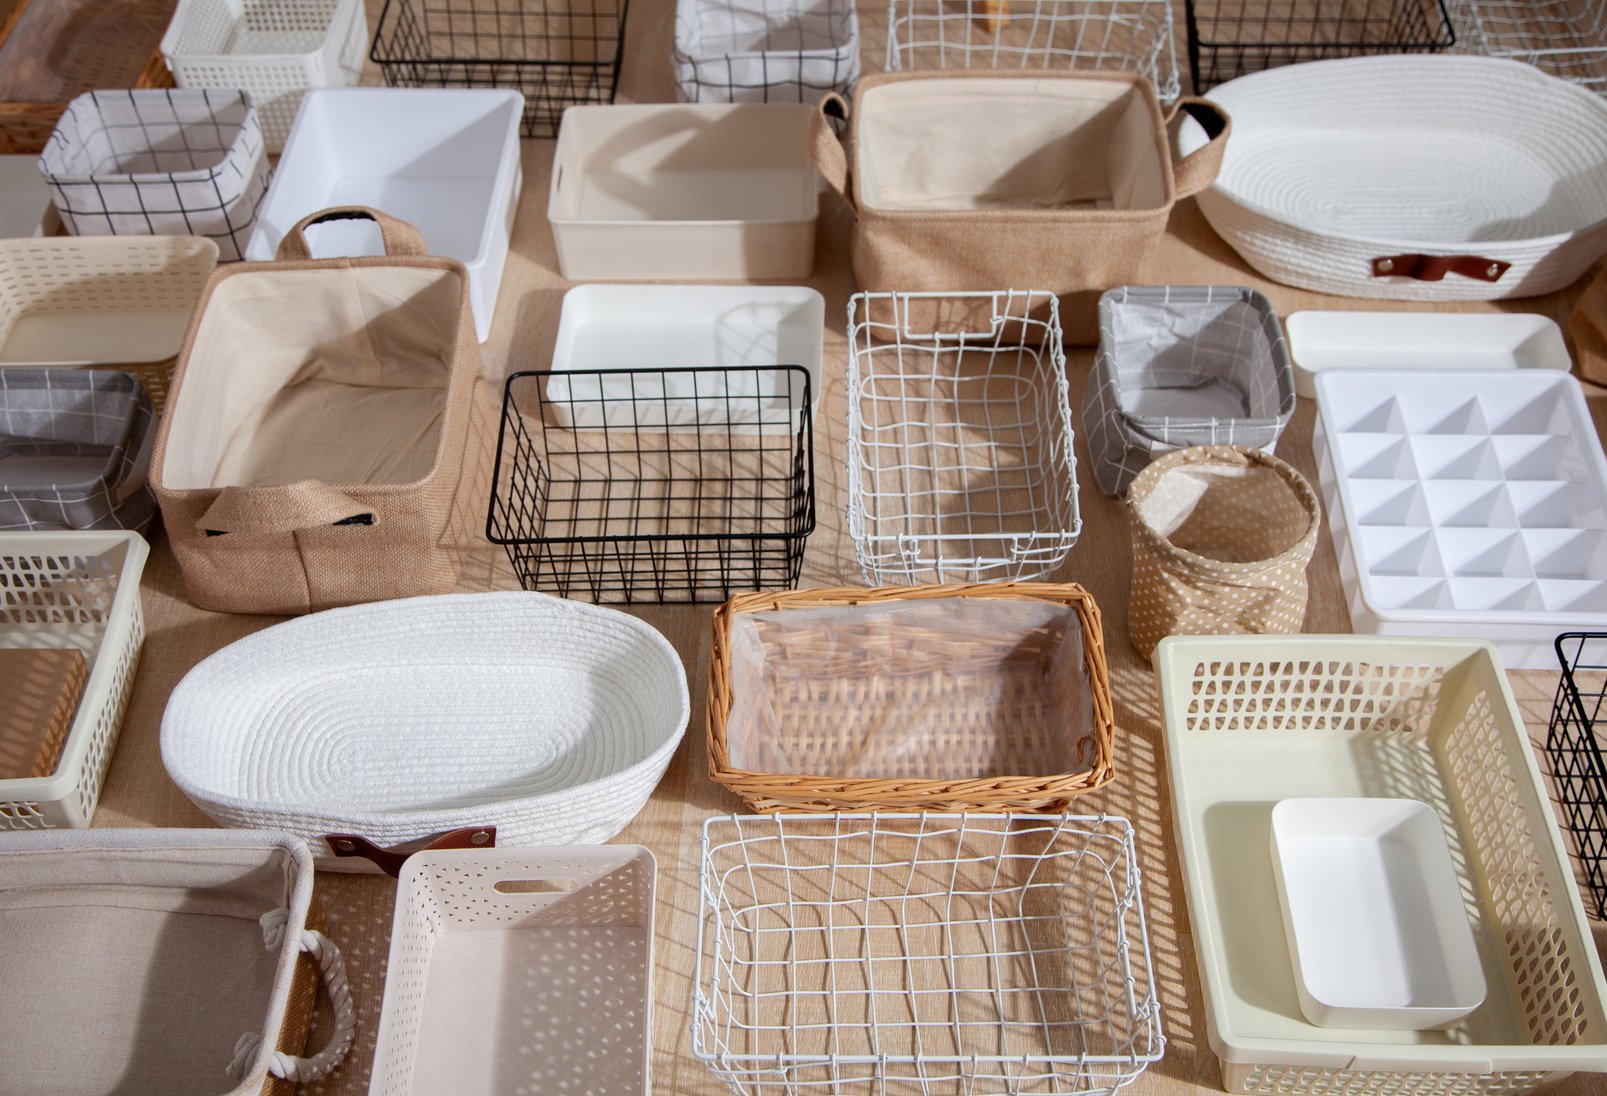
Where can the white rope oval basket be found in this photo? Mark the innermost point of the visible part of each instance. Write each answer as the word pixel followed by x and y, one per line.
pixel 549 719
pixel 1369 176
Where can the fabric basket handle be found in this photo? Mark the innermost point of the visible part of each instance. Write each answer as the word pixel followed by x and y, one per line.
pixel 826 148
pixel 400 238
pixel 306 504
pixel 1198 170
pixel 332 971
pixel 390 860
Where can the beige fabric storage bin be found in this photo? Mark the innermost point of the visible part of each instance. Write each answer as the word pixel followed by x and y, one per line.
pixel 972 180
pixel 317 435
pixel 162 963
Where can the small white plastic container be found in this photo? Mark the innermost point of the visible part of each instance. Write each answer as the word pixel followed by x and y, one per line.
pixel 1320 340
pixel 1373 911
pixel 665 326
pixel 273 49
pixel 445 160
pixel 685 192
pixel 1465 503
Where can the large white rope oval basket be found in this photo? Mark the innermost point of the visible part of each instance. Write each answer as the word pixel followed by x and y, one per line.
pixel 551 720
pixel 1412 177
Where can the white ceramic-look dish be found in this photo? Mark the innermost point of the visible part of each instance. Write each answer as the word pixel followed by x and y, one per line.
pixel 1321 340
pixel 684 192
pixel 1341 172
pixel 549 719
pixel 1373 912
pixel 445 160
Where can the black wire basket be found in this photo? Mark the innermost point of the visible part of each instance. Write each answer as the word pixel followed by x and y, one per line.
pixel 655 485
pixel 1228 38
pixel 557 53
pixel 1574 746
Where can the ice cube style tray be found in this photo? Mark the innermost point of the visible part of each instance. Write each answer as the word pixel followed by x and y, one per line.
pixel 1465 503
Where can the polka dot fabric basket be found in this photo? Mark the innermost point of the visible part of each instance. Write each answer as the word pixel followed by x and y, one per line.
pixel 1221 539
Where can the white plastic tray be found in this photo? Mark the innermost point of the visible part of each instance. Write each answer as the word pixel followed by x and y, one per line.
pixel 1373 912
pixel 1420 340
pixel 1253 720
pixel 445 160
pixel 1465 503
pixel 686 192
pixel 666 326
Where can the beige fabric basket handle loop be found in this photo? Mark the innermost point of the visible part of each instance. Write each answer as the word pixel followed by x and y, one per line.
pixel 831 159
pixel 307 504
pixel 332 971
pixel 400 237
pixel 1198 169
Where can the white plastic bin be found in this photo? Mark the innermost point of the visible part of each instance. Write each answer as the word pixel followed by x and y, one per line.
pixel 445 160
pixel 689 192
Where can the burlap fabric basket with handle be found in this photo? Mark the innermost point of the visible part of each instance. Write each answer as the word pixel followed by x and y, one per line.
pixel 1222 535
pixel 971 180
pixel 324 423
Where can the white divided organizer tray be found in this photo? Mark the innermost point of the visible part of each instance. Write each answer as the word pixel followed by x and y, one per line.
pixel 1371 904
pixel 664 327
pixel 445 160
pixel 1465 503
pixel 1320 341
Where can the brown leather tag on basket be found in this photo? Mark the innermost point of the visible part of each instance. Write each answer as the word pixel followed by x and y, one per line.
pixel 41 688
pixel 1589 329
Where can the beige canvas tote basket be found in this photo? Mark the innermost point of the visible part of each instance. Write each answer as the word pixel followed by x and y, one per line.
pixel 976 180
pixel 320 428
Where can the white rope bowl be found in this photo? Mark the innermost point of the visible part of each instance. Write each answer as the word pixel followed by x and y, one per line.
pixel 1334 164
pixel 552 720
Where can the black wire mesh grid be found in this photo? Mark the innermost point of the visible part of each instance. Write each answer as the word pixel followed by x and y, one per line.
pixel 655 485
pixel 1228 38
pixel 1574 746
pixel 557 53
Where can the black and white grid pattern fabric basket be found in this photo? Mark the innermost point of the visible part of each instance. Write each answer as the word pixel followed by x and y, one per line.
pixel 765 51
pixel 74 448
pixel 160 162
pixel 1180 366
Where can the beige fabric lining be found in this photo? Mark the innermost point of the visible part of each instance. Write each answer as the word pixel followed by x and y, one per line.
pixel 356 397
pixel 974 144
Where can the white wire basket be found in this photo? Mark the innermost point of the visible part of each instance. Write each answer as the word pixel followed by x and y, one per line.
pixel 1567 38
pixel 765 51
pixel 1061 35
pixel 929 953
pixel 960 462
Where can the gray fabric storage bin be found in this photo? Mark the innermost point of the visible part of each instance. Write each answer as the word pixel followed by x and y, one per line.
pixel 1181 366
pixel 74 449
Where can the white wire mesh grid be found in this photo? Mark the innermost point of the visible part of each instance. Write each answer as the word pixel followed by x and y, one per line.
pixel 980 953
pixel 765 51
pixel 960 461
pixel 1122 35
pixel 1567 38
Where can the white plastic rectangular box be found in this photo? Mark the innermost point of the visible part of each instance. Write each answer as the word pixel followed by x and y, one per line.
pixel 445 160
pixel 1253 720
pixel 1465 503
pixel 685 192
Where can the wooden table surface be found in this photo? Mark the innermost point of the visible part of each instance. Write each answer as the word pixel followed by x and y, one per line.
pixel 138 792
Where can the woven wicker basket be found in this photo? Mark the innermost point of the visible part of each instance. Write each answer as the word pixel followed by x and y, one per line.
pixel 983 714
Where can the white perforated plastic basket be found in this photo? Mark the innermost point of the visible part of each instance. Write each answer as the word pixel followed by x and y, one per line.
pixel 519 970
pixel 73 590
pixel 273 49
pixel 1252 720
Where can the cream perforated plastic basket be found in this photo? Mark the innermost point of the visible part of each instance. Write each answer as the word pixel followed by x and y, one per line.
pixel 1251 720
pixel 73 589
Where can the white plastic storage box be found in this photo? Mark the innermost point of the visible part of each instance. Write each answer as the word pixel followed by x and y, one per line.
pixel 762 51
pixel 74 589
pixel 159 162
pixel 445 160
pixel 1465 503
pixel 689 192
pixel 1320 340
pixel 1253 720
pixel 639 327
pixel 272 49
pixel 519 970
